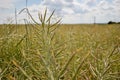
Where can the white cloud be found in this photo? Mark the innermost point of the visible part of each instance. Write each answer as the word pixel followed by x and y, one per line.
pixel 66 10
pixel 76 11
pixel 80 11
pixel 5 8
pixel 6 3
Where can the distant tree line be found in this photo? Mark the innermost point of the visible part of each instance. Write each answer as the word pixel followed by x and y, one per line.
pixel 111 22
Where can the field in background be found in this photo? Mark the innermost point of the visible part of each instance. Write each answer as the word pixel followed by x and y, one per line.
pixel 69 52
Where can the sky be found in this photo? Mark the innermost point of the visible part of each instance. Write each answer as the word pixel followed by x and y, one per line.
pixel 71 11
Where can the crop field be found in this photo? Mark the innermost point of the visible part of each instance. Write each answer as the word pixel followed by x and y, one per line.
pixel 59 51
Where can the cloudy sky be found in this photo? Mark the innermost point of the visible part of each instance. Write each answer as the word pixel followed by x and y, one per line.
pixel 71 11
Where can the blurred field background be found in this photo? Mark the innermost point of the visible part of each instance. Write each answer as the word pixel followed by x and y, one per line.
pixel 68 52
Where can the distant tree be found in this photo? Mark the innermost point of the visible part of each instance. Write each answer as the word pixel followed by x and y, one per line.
pixel 111 22
pixel 118 22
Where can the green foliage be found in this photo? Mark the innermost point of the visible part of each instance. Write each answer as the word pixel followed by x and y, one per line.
pixel 50 51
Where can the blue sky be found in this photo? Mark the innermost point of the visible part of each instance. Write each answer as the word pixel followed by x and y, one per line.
pixel 71 11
